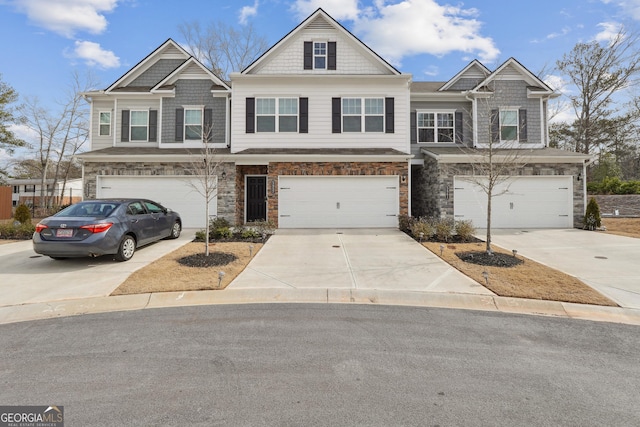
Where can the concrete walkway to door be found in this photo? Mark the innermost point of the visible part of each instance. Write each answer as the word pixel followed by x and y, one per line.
pixel 382 259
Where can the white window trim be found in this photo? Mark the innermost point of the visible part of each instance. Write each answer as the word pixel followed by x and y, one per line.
pixel 131 125
pixel 100 124
pixel 326 54
pixel 435 125
pixel 363 114
pixel 517 111
pixel 184 122
pixel 277 113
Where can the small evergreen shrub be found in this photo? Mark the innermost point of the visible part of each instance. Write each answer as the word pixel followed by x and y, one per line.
pixel 17 232
pixel 592 215
pixel 465 230
pixel 405 222
pixel 444 228
pixel 424 226
pixel 22 215
pixel 249 233
pixel 263 228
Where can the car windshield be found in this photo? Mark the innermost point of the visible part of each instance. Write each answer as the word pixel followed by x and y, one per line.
pixel 91 209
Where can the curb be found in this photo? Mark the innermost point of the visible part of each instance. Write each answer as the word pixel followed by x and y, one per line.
pixel 48 310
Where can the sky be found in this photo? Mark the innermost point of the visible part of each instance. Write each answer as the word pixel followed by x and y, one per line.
pixel 45 41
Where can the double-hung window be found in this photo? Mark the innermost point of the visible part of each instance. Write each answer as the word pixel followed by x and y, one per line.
pixel 355 118
pixel 192 124
pixel 105 123
pixel 435 126
pixel 277 114
pixel 509 125
pixel 320 55
pixel 139 125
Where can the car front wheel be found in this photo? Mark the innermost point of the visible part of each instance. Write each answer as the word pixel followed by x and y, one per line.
pixel 175 230
pixel 126 249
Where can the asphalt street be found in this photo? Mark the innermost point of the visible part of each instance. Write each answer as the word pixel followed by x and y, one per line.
pixel 297 364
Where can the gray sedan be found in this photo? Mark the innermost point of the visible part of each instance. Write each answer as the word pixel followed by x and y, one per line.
pixel 105 227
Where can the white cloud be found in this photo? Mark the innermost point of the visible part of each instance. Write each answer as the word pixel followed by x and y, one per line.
pixel 413 27
pixel 557 83
pixel 630 7
pixel 94 55
pixel 610 31
pixel 248 11
pixel 338 9
pixel 66 17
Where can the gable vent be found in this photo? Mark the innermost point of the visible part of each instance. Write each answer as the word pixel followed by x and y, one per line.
pixel 319 24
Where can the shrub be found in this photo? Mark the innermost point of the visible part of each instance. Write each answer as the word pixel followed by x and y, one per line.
pixel 22 214
pixel 444 229
pixel 249 233
pixel 592 215
pixel 465 230
pixel 200 235
pixel 263 228
pixel 405 222
pixel 17 232
pixel 422 225
pixel 222 233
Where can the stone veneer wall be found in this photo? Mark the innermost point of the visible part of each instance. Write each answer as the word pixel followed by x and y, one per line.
pixel 625 204
pixel 226 187
pixel 335 168
pixel 436 195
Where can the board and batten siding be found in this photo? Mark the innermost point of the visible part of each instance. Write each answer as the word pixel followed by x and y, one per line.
pixel 320 92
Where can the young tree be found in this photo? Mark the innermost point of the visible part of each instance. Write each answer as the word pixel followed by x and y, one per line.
pixel 599 72
pixel 221 47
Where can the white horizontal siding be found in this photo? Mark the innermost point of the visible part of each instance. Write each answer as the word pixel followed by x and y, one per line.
pixel 320 92
pixel 99 142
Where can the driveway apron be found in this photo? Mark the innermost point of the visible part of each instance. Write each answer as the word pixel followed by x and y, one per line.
pixel 383 259
pixel 26 277
pixel 608 263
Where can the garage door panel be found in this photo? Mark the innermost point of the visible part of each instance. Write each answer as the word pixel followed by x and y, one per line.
pixel 327 201
pixel 522 202
pixel 174 192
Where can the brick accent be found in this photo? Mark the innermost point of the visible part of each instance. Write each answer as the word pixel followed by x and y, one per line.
pixel 333 169
pixel 241 173
pixel 433 186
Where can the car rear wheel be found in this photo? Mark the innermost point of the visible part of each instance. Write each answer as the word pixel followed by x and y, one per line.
pixel 126 249
pixel 175 230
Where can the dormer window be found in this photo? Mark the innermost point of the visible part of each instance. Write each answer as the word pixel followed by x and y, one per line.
pixel 319 55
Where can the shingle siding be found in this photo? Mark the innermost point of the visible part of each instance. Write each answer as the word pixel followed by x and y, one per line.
pixel 192 93
pixel 156 73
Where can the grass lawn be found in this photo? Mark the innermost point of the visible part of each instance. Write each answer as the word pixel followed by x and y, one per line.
pixel 629 227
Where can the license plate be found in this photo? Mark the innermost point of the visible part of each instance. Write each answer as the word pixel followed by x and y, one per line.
pixel 64 232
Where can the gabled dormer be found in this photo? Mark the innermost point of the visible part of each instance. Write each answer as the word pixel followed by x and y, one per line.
pixel 468 78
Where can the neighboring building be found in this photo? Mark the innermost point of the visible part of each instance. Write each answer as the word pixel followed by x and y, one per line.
pixel 320 131
pixel 27 191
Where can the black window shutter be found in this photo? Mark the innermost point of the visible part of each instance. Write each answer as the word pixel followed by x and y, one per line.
pixel 179 124
pixel 459 127
pixel 124 137
pixel 389 120
pixel 414 127
pixel 331 56
pixel 250 125
pixel 495 126
pixel 304 115
pixel 308 55
pixel 336 115
pixel 208 124
pixel 153 125
pixel 522 119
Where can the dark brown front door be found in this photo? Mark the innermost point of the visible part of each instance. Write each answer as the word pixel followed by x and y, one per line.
pixel 256 198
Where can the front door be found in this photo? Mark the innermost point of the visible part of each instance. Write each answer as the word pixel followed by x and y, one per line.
pixel 256 198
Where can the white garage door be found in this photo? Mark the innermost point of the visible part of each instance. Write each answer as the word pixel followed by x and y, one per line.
pixel 173 192
pixel 519 202
pixel 338 201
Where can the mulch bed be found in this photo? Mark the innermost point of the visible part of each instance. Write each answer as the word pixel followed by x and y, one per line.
pixel 213 260
pixel 495 259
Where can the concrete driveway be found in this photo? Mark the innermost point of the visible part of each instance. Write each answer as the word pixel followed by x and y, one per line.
pixel 26 277
pixel 382 259
pixel 606 262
